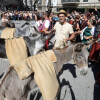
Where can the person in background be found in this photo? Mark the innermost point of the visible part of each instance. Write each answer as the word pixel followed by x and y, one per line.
pixel 4 18
pixel 88 32
pixel 39 22
pixel 95 51
pixel 86 17
pixel 46 26
pixel 76 27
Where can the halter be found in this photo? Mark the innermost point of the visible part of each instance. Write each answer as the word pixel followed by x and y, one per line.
pixel 74 56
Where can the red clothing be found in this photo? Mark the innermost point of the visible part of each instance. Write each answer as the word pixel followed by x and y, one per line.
pixel 71 22
pixel 84 24
pixel 95 52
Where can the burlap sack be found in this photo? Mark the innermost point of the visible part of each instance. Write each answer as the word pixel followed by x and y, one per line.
pixel 8 33
pixel 16 50
pixel 23 69
pixel 44 73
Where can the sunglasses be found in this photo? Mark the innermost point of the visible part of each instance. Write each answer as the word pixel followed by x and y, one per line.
pixel 61 16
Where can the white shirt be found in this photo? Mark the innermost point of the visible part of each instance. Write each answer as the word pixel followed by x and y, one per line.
pixel 3 20
pixel 62 32
pixel 47 23
pixel 39 22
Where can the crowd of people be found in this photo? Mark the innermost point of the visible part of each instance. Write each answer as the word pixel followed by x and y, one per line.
pixel 75 27
pixel 16 15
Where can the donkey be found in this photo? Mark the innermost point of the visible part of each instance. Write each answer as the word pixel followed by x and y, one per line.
pixel 34 44
pixel 28 29
pixel 12 88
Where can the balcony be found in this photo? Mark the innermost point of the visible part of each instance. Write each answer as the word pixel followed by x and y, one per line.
pixel 71 2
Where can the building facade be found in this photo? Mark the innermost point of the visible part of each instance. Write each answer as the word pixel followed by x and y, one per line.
pixel 16 4
pixel 78 4
pixel 55 5
pixel 70 4
pixel 28 3
pixel 9 4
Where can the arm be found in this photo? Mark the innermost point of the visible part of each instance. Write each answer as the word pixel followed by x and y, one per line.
pixel 35 17
pixel 72 34
pixel 78 32
pixel 98 13
pixel 77 28
pixel 71 37
pixel 88 37
pixel 52 30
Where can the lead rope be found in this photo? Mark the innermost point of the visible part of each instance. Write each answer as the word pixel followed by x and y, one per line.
pixel 74 56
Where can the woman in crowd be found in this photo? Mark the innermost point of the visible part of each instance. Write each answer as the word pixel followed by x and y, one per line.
pixel 76 27
pixel 88 32
pixel 39 22
pixel 4 19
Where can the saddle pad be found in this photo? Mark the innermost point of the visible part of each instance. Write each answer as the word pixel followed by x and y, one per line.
pixel 8 33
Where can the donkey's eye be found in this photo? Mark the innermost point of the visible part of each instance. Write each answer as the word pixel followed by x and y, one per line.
pixel 76 55
pixel 80 57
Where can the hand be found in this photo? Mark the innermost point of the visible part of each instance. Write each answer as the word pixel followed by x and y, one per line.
pixel 76 32
pixel 52 30
pixel 95 7
pixel 65 40
pixel 42 31
pixel 86 37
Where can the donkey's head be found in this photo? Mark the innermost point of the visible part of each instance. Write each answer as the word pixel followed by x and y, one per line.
pixel 80 56
pixel 33 28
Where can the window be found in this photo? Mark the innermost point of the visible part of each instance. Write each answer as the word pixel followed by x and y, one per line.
pixel 85 0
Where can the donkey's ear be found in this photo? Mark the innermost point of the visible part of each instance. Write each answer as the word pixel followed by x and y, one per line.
pixel 36 30
pixel 91 42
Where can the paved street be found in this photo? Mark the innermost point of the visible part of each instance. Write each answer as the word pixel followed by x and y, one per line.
pixel 74 86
